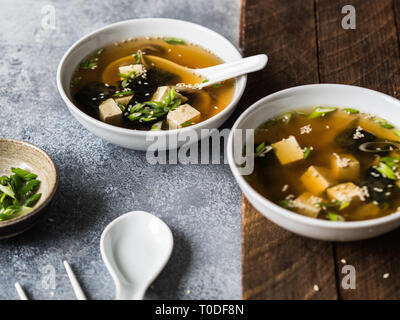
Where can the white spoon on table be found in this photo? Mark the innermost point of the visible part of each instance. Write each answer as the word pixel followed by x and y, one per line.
pixel 135 248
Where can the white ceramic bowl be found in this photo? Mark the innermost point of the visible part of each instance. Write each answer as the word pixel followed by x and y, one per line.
pixel 306 96
pixel 153 27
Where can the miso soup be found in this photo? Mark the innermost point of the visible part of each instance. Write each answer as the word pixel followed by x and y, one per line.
pixel 315 163
pixel 120 85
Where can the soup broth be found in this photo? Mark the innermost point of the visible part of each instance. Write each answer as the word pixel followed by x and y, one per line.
pixel 309 161
pixel 101 76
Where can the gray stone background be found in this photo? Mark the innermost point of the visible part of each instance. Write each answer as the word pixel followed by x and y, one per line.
pixel 100 181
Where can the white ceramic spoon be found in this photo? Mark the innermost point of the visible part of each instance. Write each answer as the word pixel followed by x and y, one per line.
pixel 135 248
pixel 215 74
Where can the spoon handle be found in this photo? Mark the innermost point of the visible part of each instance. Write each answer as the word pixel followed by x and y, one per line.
pixel 233 69
pixel 20 291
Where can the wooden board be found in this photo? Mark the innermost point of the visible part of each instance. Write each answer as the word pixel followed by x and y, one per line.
pixel 367 56
pixel 278 264
pixel 306 44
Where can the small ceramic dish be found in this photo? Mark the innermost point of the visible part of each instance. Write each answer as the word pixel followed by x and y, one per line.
pixel 152 27
pixel 335 95
pixel 20 154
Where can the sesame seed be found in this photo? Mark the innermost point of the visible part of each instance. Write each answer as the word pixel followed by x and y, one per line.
pixel 343 261
pixel 316 288
pixel 386 275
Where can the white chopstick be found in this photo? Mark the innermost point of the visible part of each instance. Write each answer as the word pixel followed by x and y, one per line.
pixel 74 282
pixel 20 291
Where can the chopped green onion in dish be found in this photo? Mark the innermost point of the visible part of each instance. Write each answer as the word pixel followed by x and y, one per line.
pixel 284 204
pixel 262 150
pixel 156 126
pixel 335 217
pixel 320 112
pixel 386 171
pixel 285 117
pixel 267 124
pixel 123 93
pixel 307 152
pixel 187 123
pixel 344 205
pixel 91 62
pixel 173 40
pixel 351 110
pixel 18 193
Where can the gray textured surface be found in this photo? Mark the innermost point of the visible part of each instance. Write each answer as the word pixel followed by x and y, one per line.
pixel 99 181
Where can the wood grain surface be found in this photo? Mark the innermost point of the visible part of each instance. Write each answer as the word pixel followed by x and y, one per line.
pixel 367 56
pixel 278 264
pixel 306 44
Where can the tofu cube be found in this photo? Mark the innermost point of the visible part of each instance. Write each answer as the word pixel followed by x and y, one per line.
pixel 288 150
pixel 162 92
pixel 182 115
pixel 344 192
pixel 123 100
pixel 109 112
pixel 307 204
pixel 316 180
pixel 345 167
pixel 138 68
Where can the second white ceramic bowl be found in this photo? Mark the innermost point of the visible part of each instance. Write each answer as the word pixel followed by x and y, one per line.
pixel 152 27
pixel 336 95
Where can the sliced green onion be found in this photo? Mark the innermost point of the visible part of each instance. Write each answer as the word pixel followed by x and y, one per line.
pixel 284 203
pixel 172 40
pixel 320 112
pixel 335 217
pixel 262 150
pixel 7 190
pixel 307 152
pixel 396 132
pixel 123 93
pixel 24 174
pixel 344 205
pixel 267 124
pixel 32 200
pixel 351 110
pixel 187 123
pixel 391 161
pixel 386 171
pixel 157 126
pixel 285 117
pixel 334 203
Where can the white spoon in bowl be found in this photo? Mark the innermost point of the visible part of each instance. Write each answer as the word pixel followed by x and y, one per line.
pixel 206 77
pixel 203 77
pixel 135 248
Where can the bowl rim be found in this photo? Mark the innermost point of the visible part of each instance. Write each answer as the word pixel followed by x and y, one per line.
pixel 287 214
pixel 53 189
pixel 240 83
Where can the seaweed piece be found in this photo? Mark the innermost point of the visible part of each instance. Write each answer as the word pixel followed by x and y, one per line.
pixel 92 94
pixel 346 140
pixel 146 84
pixel 380 188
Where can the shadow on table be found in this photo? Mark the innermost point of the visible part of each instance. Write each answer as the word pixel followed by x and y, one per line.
pixel 168 284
